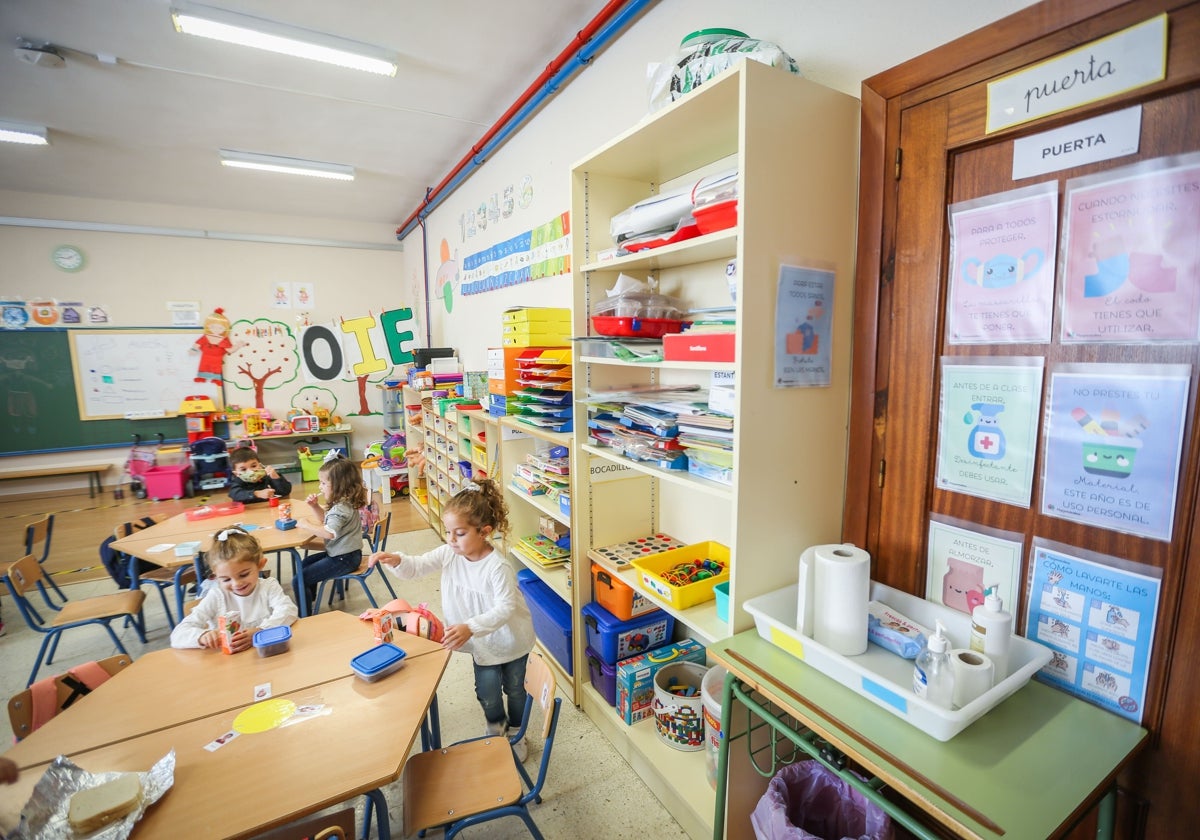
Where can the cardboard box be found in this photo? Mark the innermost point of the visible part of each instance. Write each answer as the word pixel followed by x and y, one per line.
pixel 699 347
pixel 635 677
pixel 383 625
pixel 526 314
pixel 228 625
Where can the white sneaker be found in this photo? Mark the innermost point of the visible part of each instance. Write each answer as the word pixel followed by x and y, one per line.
pixel 497 728
pixel 520 748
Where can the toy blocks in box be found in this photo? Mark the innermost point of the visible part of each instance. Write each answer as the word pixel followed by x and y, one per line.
pixel 635 677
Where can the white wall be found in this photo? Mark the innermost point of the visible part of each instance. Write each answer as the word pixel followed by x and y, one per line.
pixel 835 42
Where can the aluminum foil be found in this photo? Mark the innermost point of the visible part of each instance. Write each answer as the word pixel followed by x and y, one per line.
pixel 44 816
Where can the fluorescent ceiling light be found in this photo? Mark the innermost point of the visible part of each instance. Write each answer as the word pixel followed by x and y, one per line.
pixel 247 31
pixel 30 135
pixel 287 165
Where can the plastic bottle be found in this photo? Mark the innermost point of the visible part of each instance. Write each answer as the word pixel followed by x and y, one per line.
pixel 991 632
pixel 933 674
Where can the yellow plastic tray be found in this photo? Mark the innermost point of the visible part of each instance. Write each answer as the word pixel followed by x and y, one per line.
pixel 650 574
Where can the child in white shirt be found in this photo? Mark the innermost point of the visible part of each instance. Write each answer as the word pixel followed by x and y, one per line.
pixel 236 559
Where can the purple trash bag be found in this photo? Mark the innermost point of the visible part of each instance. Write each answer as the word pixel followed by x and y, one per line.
pixel 805 801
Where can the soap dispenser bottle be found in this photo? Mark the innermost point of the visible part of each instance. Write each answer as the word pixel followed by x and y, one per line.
pixel 933 674
pixel 991 632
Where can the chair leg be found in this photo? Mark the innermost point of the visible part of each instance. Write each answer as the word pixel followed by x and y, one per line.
pixel 320 595
pixel 431 728
pixel 52 640
pixel 387 583
pixel 166 607
pixel 54 586
pixel 37 663
pixel 367 590
pixel 378 803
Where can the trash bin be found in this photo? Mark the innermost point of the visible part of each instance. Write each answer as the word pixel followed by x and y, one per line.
pixel 806 801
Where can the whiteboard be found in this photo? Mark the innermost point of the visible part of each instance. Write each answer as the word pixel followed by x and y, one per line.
pixel 133 373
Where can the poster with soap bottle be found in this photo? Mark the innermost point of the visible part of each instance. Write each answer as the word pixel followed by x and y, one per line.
pixel 964 559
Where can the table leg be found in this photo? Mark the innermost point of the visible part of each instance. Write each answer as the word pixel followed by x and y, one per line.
pixel 298 574
pixel 1106 815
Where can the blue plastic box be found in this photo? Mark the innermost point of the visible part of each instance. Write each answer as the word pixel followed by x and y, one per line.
pixel 378 662
pixel 551 617
pixel 615 639
pixel 272 640
pixel 603 675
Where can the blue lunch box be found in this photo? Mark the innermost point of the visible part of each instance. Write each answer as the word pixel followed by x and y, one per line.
pixel 272 640
pixel 378 662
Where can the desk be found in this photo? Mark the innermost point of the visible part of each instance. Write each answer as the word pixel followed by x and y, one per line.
pixel 359 746
pixel 179 529
pixel 1030 768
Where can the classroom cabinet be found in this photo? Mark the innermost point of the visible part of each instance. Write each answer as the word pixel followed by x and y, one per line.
pixel 794 145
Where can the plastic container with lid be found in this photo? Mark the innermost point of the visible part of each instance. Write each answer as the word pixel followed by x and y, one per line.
pixel 639 305
pixel 378 662
pixel 272 640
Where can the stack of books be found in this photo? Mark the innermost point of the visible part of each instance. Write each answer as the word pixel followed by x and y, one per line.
pixel 708 441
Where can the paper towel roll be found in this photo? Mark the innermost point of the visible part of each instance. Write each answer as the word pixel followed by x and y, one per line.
pixel 841 590
pixel 972 674
pixel 804 601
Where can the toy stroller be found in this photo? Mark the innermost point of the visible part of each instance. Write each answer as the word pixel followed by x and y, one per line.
pixel 210 464
pixel 141 458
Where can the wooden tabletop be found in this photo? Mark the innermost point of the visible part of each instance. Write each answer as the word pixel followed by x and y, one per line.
pixel 179 529
pixel 183 700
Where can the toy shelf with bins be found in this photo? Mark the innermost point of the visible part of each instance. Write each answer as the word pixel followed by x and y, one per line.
pixel 794 144
pixel 392 397
pixel 478 446
pixel 414 435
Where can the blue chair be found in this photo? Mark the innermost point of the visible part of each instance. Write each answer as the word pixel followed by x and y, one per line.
pixel 159 577
pixel 377 540
pixel 26 575
pixel 41 531
pixel 433 780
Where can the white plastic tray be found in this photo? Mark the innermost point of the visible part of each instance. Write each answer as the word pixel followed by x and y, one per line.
pixel 882 676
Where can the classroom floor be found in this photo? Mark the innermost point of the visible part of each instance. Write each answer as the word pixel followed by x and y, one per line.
pixel 591 792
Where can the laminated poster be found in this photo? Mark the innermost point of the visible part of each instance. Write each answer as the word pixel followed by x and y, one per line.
pixel 965 560
pixel 1002 251
pixel 988 427
pixel 1131 271
pixel 1113 439
pixel 1098 620
pixel 803 327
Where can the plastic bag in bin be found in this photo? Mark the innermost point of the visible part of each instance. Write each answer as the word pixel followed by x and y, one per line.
pixel 806 801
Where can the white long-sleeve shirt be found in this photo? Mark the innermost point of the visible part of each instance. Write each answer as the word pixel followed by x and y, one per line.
pixel 482 594
pixel 267 606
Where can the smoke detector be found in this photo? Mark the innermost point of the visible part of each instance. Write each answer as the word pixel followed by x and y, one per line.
pixel 45 55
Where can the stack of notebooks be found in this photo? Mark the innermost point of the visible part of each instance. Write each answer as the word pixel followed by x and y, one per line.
pixel 708 441
pixel 541 550
pixel 541 475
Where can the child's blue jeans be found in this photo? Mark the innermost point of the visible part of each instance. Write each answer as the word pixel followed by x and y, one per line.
pixel 319 567
pixel 509 678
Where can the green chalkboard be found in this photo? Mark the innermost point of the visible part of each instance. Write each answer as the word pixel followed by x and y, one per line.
pixel 38 408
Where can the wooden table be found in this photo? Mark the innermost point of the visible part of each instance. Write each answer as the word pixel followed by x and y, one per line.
pixel 1031 767
pixel 148 709
pixel 179 529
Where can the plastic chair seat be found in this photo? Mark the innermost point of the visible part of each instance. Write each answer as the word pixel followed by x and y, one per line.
pixel 480 776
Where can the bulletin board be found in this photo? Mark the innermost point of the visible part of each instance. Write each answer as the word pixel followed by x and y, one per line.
pixel 119 373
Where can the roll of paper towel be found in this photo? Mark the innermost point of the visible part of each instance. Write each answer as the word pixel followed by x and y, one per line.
pixel 972 675
pixel 841 588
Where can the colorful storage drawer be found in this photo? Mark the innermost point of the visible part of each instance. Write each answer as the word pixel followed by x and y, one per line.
pixel 615 640
pixel 617 596
pixel 635 677
pixel 603 676
pixel 655 573
pixel 551 617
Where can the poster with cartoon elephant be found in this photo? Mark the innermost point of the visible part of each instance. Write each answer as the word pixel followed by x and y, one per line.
pixel 1002 249
pixel 1131 241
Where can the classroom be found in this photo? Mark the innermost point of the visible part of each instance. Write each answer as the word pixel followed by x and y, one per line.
pixel 806 343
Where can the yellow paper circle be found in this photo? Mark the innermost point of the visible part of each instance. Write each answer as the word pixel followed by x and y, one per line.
pixel 263 716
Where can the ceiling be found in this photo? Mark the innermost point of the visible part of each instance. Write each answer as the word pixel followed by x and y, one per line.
pixel 138 111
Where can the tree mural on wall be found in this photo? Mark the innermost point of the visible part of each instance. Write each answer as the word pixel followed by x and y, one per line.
pixel 266 359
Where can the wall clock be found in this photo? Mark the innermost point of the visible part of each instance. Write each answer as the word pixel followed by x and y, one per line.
pixel 67 257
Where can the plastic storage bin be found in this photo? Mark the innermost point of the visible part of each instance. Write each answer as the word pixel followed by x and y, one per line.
pixel 615 640
pixel 721 591
pixel 378 662
pixel 651 570
pixel 617 596
pixel 166 482
pixel 635 677
pixel 272 640
pixel 551 618
pixel 603 676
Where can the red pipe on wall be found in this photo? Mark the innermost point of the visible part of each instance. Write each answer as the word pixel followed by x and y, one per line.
pixel 582 37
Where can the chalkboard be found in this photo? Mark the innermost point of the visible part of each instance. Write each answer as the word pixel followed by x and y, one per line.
pixel 39 411
pixel 119 373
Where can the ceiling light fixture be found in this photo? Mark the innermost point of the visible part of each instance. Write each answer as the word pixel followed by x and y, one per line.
pixel 30 135
pixel 233 28
pixel 287 165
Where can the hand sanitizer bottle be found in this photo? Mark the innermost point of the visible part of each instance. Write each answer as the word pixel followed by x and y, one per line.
pixel 933 674
pixel 991 632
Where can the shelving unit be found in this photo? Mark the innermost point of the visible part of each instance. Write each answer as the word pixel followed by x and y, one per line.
pixel 794 144
pixel 414 433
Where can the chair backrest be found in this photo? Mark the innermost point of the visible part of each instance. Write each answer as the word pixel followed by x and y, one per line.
pixel 540 685
pixel 37 532
pixel 23 576
pixel 379 534
pixel 21 707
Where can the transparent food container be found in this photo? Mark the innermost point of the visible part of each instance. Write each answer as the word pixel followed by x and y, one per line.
pixel 639 305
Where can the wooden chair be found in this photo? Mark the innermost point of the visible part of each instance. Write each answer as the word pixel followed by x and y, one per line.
pixel 21 705
pixel 26 575
pixel 159 577
pixel 377 540
pixel 336 826
pixel 475 781
pixel 38 533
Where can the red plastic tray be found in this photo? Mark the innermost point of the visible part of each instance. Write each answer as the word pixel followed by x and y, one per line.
pixel 209 511
pixel 635 327
pixel 716 216
pixel 686 232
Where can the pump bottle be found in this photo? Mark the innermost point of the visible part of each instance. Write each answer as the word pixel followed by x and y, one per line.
pixel 933 674
pixel 991 632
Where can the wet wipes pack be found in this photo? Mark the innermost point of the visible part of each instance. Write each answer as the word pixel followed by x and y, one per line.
pixel 895 632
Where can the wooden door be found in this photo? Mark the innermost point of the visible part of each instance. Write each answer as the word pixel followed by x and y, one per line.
pixel 924 147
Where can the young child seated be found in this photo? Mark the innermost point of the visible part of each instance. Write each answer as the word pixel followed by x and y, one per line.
pixel 236 559
pixel 251 481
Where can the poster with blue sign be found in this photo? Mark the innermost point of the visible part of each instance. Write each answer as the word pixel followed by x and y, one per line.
pixel 1113 439
pixel 1096 614
pixel 803 327
pixel 987 432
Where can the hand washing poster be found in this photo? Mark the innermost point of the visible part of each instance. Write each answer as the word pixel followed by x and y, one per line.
pixel 965 560
pixel 1113 438
pixel 1097 616
pixel 1002 251
pixel 987 432
pixel 1131 271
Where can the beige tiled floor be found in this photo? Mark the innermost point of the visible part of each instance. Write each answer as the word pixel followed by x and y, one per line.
pixel 590 792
